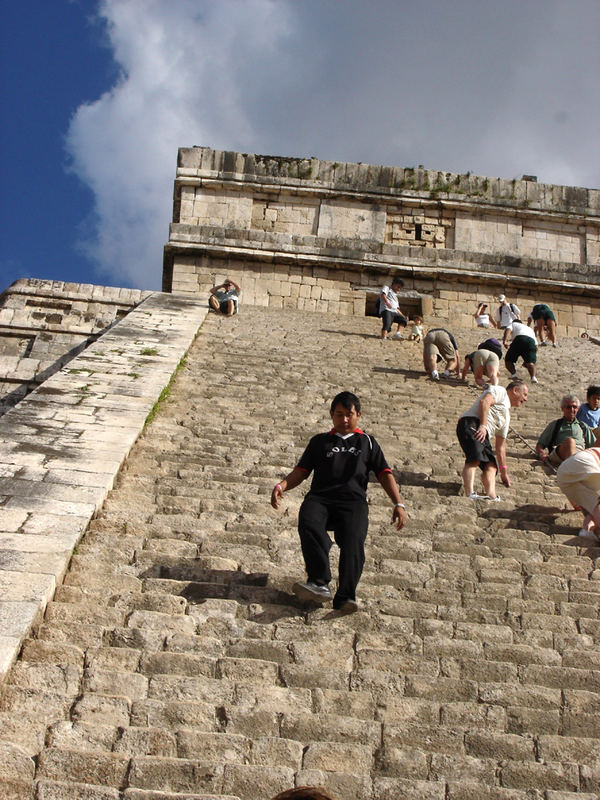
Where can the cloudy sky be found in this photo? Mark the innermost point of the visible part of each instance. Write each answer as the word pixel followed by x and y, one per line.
pixel 98 96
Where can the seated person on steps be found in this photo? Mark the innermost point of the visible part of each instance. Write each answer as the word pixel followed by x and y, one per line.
pixel 340 461
pixel 488 417
pixel 224 298
pixel 563 437
pixel 416 331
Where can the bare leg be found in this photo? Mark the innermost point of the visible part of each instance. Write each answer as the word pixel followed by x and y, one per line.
pixel 596 517
pixel 530 369
pixel 488 478
pixel 567 449
pixel 587 522
pixel 230 308
pixel 213 303
pixel 429 362
pixel 551 326
pixel 492 374
pixel 539 329
pixel 468 476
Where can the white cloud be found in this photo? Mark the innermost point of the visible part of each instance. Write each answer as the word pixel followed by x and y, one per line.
pixel 180 63
pixel 498 90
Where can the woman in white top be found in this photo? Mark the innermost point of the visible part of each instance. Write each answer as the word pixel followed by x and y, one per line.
pixel 482 318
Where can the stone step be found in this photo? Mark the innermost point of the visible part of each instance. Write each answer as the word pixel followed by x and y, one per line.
pixel 176 648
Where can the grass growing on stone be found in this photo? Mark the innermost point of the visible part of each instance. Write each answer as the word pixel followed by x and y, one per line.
pixel 165 392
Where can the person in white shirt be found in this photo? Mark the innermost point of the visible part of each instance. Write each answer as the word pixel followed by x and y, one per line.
pixel 488 417
pixel 506 313
pixel 523 345
pixel 389 309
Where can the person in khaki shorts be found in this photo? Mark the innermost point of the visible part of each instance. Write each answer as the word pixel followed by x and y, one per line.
pixel 563 437
pixel 485 366
pixel 579 479
pixel 440 345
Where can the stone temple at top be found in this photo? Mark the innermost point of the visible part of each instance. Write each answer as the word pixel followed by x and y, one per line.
pixel 150 645
pixel 319 235
pixel 322 236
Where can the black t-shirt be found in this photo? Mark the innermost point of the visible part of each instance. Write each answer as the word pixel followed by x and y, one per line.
pixel 341 464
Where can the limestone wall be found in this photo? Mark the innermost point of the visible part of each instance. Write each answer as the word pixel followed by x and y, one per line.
pixel 319 235
pixel 44 324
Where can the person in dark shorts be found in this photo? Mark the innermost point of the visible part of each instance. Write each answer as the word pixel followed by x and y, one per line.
pixel 545 322
pixel 488 417
pixel 523 345
pixel 340 461
pixel 224 298
pixel 389 309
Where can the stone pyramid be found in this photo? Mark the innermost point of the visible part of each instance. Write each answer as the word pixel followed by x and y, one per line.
pixel 174 662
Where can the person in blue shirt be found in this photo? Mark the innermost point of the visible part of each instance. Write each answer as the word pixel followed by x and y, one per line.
pixel 590 412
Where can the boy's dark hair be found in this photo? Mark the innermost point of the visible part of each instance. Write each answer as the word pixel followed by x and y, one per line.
pixel 346 399
pixel 397 282
pixel 591 390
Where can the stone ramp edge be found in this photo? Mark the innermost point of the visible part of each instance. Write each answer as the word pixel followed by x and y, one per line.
pixel 79 424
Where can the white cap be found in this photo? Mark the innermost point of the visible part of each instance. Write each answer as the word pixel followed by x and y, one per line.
pixel 501 298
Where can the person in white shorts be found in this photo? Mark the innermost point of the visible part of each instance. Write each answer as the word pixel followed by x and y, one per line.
pixel 579 479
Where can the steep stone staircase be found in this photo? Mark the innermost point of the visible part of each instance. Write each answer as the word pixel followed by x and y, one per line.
pixel 174 662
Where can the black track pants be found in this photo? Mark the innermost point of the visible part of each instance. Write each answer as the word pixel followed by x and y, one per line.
pixel 349 521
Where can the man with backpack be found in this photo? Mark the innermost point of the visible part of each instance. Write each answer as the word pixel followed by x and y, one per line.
pixel 506 313
pixel 564 437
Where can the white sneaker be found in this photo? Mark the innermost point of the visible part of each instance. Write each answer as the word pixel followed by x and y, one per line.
pixel 513 376
pixel 446 373
pixel 534 380
pixel 554 344
pixel 585 534
pixel 398 336
pixel 435 375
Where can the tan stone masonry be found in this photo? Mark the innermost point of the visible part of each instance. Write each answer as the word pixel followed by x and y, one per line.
pixel 318 236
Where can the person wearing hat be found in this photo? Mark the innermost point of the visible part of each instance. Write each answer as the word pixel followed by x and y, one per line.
pixel 224 298
pixel 506 313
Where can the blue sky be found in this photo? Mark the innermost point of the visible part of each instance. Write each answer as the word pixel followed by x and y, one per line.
pixel 52 59
pixel 98 94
